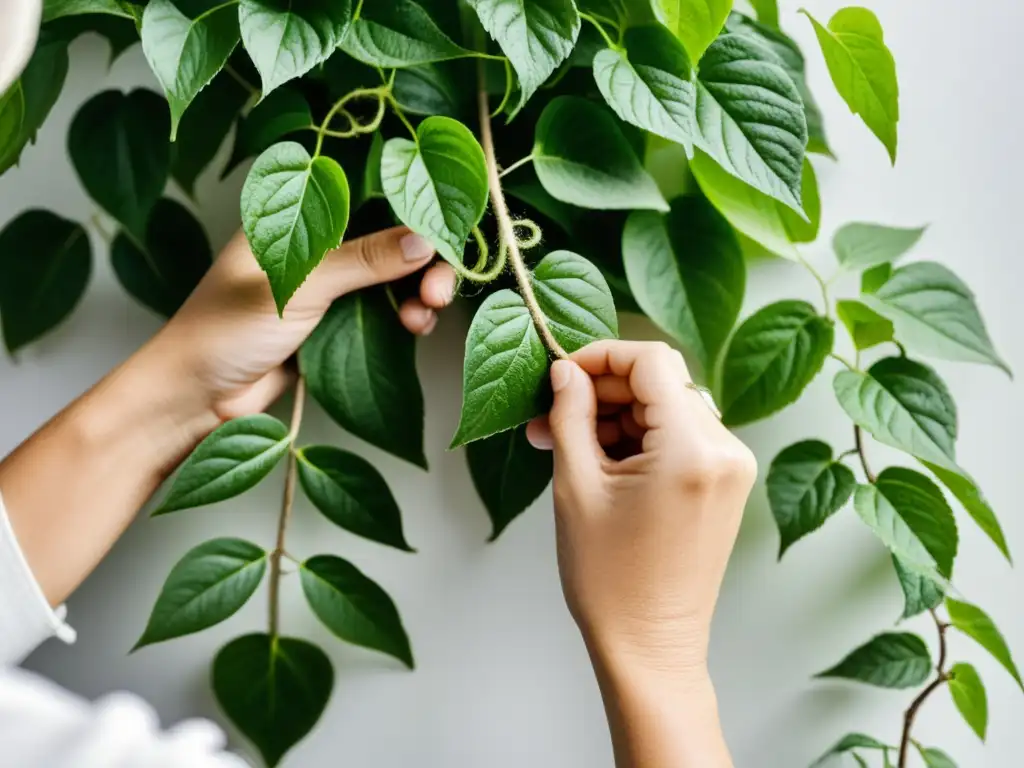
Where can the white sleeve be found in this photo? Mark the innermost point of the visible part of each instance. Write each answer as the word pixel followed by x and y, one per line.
pixel 26 618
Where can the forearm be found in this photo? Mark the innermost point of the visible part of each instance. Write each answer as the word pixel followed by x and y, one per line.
pixel 74 487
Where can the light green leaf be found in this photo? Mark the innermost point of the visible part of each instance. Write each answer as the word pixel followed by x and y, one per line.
pixel 398 33
pixel 207 586
pixel 771 359
pixel 696 22
pixel 920 593
pixel 903 404
pixel 283 112
pixel 750 118
pixel 806 486
pixel 867 328
pixel 862 69
pixel 437 185
pixel 56 9
pixel 977 625
pixel 38 293
pixel 767 11
pixel 874 278
pixel 890 660
pixel 351 493
pixel 687 273
pixel 508 474
pixel 650 83
pixel 185 54
pixel 285 40
pixel 233 459
pixel 582 157
pixel 353 607
pixel 294 209
pixel 969 695
pixel 504 380
pixel 935 758
pixel 935 314
pixel 360 365
pixel 118 160
pixel 849 742
pixel 535 35
pixel 798 228
pixel 274 690
pixel 966 490
pixel 861 246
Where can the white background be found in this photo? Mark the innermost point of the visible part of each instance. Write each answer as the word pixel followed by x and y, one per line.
pixel 503 681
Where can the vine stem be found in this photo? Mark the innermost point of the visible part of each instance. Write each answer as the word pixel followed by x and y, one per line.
pixel 506 227
pixel 287 502
pixel 517 164
pixel 858 438
pixel 941 677
pixel 822 284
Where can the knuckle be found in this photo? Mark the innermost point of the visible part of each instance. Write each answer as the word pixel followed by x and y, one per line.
pixel 371 254
pixel 727 465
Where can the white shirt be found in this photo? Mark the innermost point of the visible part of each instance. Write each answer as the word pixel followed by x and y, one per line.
pixel 44 726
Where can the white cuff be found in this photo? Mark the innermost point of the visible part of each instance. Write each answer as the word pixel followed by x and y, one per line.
pixel 26 619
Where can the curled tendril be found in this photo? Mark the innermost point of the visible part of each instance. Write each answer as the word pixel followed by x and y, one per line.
pixel 481 273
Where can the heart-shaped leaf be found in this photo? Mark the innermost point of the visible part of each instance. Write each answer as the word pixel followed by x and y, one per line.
pixel 294 209
pixel 867 328
pixel 208 585
pixel 274 689
pixel 353 607
pixel 859 245
pixel 398 33
pixel 435 89
pixel 978 626
pixel 26 104
pixel 437 185
pixel 969 696
pixel 890 660
pixel 696 22
pixel 233 459
pixel 282 112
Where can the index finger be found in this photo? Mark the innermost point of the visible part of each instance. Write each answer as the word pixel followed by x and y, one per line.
pixel 657 374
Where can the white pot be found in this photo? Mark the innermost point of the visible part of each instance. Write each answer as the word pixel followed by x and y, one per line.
pixel 19 28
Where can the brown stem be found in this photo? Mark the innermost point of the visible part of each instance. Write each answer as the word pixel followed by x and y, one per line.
pixel 941 677
pixel 287 502
pixel 858 437
pixel 506 228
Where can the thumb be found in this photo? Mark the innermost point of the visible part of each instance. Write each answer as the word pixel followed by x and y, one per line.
pixel 573 420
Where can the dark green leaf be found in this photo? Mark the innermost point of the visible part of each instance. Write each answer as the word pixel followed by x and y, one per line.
pixel 920 593
pixel 274 689
pixel 977 625
pixel 696 22
pixel 867 328
pixel 294 209
pixel 115 147
pixel 12 122
pixel 849 742
pixel 353 607
pixel 969 695
pixel 966 490
pixel 207 586
pixel 26 105
pixel 772 358
pixel 861 246
pixel 434 89
pixel 582 157
pixel 360 365
pixel 506 361
pixel 166 269
pixel 120 32
pixel 38 293
pixel 398 33
pixel 57 9
pixel 890 660
pixel 806 486
pixel 509 474
pixel 351 493
pixel 233 459
pixel 687 273
pixel 284 111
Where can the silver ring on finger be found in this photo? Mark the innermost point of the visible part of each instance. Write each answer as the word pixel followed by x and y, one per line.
pixel 706 396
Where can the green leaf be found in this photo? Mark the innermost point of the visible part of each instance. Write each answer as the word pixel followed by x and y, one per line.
pixel 767 11
pixel 772 358
pixel 582 157
pixel 351 493
pixel 751 118
pixel 434 89
pixel 861 246
pixel 230 461
pixel 935 758
pixel 504 380
pixel 806 486
pixel 353 607
pixel 535 35
pixel 207 586
pixel 398 33
pixel 863 70
pixel 120 32
pixel 360 365
pixel 969 695
pixel 874 278
pixel 173 259
pixel 849 742
pixel 285 40
pixel 56 9
pixel 936 314
pixel 12 121
pixel 696 22
pixel 650 83
pixel 687 273
pixel 867 328
pixel 920 593
pixel 753 214
pixel 903 404
pixel 120 163
pixel 437 185
pixel 799 229
pixel 508 474
pixel 186 53
pixel 977 625
pixel 294 209
pixel 274 690
pixel 966 490
pixel 890 660
pixel 282 112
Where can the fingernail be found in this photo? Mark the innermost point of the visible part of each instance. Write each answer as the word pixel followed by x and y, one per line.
pixel 431 324
pixel 561 372
pixel 542 442
pixel 415 248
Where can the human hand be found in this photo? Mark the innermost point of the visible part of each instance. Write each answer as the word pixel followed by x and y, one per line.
pixel 649 492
